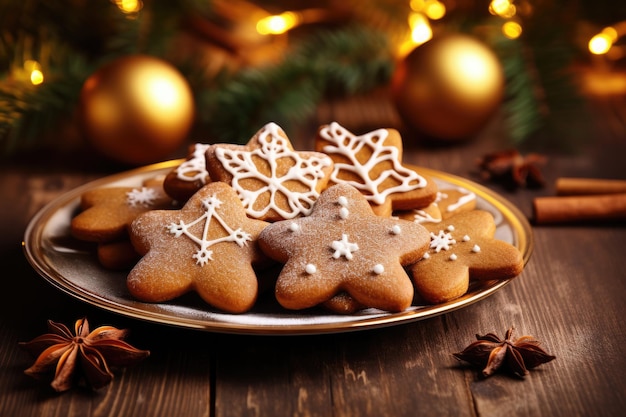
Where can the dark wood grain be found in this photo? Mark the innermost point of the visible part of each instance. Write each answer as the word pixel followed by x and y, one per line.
pixel 570 297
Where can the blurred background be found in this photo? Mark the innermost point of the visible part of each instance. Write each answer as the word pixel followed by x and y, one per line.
pixel 138 81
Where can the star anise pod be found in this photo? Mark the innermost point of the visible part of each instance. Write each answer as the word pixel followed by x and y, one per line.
pixel 515 355
pixel 512 169
pixel 84 355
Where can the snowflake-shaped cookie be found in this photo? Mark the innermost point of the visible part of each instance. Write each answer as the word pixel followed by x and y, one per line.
pixel 209 246
pixel 463 247
pixel 372 163
pixel 273 181
pixel 107 212
pixel 343 247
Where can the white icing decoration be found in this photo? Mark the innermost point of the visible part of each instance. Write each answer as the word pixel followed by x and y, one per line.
pixel 378 269
pixel 440 196
pixel 396 229
pixel 464 199
pixel 241 165
pixel 426 256
pixel 204 254
pixel 343 213
pixel 442 240
pixel 349 145
pixel 476 249
pixel 196 166
pixel 466 238
pixel 450 228
pixel 310 269
pixel 141 197
pixel 453 257
pixel 343 201
pixel 344 247
pixel 420 216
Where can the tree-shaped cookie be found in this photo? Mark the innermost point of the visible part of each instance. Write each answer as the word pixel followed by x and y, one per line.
pixel 372 163
pixel 273 181
pixel 208 246
pixel 463 247
pixel 108 211
pixel 342 246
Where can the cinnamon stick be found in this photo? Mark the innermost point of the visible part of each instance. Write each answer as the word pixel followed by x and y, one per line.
pixel 587 186
pixel 564 209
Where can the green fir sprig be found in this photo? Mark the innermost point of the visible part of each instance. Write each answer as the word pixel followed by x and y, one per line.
pixel 335 62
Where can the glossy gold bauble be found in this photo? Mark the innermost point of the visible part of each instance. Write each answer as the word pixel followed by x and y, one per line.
pixel 449 87
pixel 136 109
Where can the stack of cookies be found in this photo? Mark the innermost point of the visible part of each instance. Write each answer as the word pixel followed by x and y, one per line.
pixel 347 226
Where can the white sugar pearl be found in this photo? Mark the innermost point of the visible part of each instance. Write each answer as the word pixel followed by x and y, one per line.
pixel 379 269
pixel 396 229
pixel 343 201
pixel 344 212
pixel 466 238
pixel 453 257
pixel 476 249
pixel 294 227
pixel 450 228
pixel 310 269
pixel 426 255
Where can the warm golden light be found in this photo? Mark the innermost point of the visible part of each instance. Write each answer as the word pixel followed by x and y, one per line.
pixel 418 5
pixel 129 6
pixel 36 77
pixel 420 28
pixel 34 70
pixel 600 44
pixel 435 10
pixel 512 30
pixel 499 7
pixel 611 32
pixel 277 24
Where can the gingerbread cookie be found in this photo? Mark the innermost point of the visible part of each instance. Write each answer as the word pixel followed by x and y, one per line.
pixel 273 181
pixel 372 163
pixel 343 303
pixel 463 247
pixel 343 247
pixel 208 246
pixel 107 212
pixel 452 201
pixel 449 202
pixel 429 214
pixel 188 177
pixel 119 255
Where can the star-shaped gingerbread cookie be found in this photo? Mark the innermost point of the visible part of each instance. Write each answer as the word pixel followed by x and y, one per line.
pixel 107 212
pixel 273 181
pixel 462 248
pixel 209 246
pixel 342 246
pixel 372 163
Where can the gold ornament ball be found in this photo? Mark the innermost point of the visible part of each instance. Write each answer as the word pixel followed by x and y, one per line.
pixel 449 87
pixel 136 109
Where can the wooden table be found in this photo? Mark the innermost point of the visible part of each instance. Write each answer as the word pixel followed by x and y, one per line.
pixel 571 296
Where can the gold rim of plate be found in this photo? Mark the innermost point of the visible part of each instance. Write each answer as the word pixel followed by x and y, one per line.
pixel 51 259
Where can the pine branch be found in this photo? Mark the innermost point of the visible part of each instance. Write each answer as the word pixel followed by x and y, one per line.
pixel 340 62
pixel 27 111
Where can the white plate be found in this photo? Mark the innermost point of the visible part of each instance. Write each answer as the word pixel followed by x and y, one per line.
pixel 71 266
